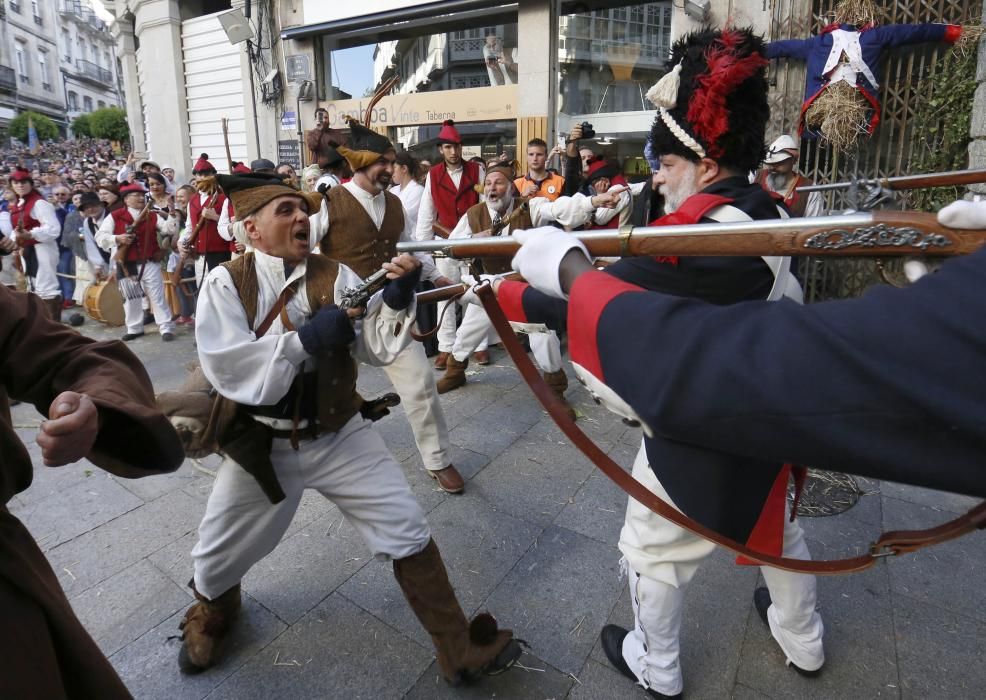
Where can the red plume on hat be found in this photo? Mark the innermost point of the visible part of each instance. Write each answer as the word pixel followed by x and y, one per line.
pixel 202 165
pixel 727 70
pixel 448 133
pixel 21 175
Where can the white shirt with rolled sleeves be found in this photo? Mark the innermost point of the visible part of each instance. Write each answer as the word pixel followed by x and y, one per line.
pixel 106 236
pixel 259 371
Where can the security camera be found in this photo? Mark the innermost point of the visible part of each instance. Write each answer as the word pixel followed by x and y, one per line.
pixel 270 77
pixel 698 10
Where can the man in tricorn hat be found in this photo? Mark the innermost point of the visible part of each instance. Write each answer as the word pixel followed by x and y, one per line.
pixel 708 134
pixel 359 225
pixel 780 175
pixel 36 232
pixel 272 339
pixel 450 189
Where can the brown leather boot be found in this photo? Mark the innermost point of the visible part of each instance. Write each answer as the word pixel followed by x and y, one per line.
pixel 54 308
pixel 204 629
pixel 558 382
pixel 465 650
pixel 455 375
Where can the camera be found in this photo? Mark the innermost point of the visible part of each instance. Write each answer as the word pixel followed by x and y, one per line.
pixel 587 131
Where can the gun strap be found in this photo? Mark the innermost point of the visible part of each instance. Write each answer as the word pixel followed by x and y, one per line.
pixel 889 543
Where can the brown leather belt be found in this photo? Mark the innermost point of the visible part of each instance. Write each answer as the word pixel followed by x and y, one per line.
pixel 888 544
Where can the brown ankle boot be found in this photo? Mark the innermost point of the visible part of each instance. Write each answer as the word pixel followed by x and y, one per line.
pixel 455 375
pixel 465 650
pixel 54 308
pixel 204 629
pixel 558 382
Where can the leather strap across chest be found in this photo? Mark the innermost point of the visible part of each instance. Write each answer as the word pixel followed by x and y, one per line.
pixel 888 544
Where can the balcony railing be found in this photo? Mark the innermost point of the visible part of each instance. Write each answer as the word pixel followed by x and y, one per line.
pixel 38 21
pixel 47 87
pixel 24 79
pixel 93 71
pixel 8 78
pixel 15 7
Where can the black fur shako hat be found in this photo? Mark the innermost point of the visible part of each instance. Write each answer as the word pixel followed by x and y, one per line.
pixel 713 102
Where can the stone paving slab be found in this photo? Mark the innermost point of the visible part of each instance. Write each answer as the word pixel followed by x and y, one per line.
pixel 337 650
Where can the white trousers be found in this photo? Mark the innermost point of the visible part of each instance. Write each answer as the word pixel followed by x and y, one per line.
pixel 452 269
pixel 45 284
pixel 353 468
pixel 663 559
pixel 414 380
pixel 153 286
pixel 476 328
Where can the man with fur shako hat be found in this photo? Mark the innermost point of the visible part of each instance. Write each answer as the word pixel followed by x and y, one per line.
pixel 272 341
pixel 450 189
pixel 36 232
pixel 141 260
pixel 709 134
pixel 209 204
pixel 359 225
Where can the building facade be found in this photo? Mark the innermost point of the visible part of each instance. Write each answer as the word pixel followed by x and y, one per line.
pixel 57 58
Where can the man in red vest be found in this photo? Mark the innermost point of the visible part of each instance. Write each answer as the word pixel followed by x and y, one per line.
pixel 450 189
pixel 141 261
pixel 36 231
pixel 207 205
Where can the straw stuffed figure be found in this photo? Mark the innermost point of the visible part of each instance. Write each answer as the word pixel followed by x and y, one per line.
pixel 842 98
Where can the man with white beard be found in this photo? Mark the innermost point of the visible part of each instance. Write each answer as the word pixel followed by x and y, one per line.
pixel 780 175
pixel 477 222
pixel 708 133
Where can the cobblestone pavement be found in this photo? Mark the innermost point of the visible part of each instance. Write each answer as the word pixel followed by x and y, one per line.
pixel 532 540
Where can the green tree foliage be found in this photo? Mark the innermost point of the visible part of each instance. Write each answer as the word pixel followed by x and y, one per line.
pixel 81 125
pixel 109 123
pixel 45 127
pixel 943 125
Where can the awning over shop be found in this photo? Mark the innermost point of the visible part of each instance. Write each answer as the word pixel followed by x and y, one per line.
pixel 400 22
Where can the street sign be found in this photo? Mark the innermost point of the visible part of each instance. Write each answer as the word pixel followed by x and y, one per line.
pixel 289 121
pixel 289 152
pixel 297 67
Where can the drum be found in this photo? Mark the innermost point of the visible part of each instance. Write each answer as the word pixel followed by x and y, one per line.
pixel 104 303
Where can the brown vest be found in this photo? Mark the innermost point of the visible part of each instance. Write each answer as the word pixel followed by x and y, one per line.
pixel 353 238
pixel 336 372
pixel 479 219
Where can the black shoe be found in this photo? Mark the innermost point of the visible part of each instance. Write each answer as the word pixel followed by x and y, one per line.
pixel 761 601
pixel 127 337
pixel 148 318
pixel 167 337
pixel 612 638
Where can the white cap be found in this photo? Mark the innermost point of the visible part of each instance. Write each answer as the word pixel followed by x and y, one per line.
pixel 780 150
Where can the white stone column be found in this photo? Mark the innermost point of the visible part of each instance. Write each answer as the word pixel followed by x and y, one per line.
pixel 537 68
pixel 157 26
pixel 123 35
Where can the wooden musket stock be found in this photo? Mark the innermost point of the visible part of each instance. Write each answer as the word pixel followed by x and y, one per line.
pixel 121 250
pixel 176 275
pixel 954 178
pixel 876 234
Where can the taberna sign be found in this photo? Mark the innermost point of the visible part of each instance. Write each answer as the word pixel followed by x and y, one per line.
pixel 468 105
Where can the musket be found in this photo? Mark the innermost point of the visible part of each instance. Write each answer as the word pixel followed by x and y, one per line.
pixel 229 156
pixel 432 296
pixel 952 178
pixel 881 233
pixel 355 297
pixel 121 250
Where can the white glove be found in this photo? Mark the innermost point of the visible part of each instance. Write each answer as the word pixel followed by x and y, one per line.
pixel 540 256
pixel 963 214
pixel 470 296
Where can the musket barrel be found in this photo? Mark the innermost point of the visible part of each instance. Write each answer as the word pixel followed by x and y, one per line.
pixel 954 178
pixel 860 234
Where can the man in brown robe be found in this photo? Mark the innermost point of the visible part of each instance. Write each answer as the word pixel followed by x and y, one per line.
pixel 100 405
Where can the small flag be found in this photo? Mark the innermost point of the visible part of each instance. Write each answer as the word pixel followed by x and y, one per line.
pixel 32 137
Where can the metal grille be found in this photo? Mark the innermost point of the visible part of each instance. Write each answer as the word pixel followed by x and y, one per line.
pixel 906 80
